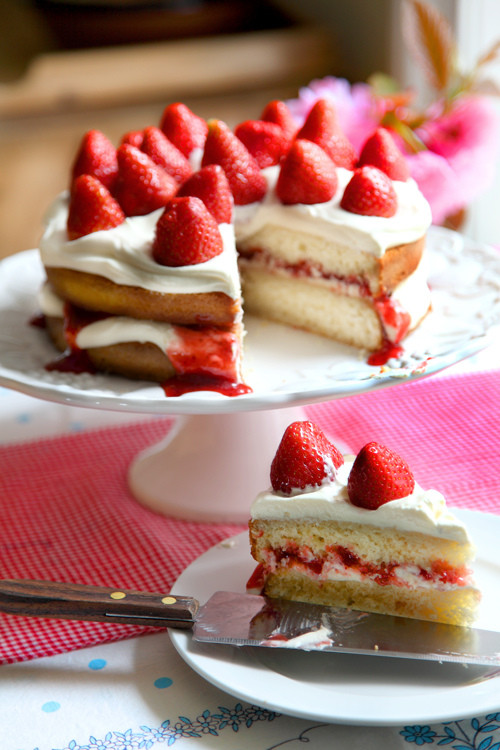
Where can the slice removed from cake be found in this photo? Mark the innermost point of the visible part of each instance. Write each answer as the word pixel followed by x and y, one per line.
pixel 358 533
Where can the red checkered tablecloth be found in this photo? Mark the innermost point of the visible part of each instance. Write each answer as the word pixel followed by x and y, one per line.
pixel 66 512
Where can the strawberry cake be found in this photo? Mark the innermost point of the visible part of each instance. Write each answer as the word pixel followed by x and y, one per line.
pixel 358 532
pixel 148 251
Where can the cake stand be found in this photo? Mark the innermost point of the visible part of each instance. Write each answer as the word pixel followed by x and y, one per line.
pixel 217 456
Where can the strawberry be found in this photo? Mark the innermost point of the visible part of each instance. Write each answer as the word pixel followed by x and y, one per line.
pixel 277 111
pixel 163 152
pixel 245 179
pixel 186 234
pixel 134 138
pixel 321 127
pixel 370 193
pixel 92 208
pixel 307 175
pixel 266 141
pixel 378 475
pixel 142 186
pixel 96 156
pixel 305 458
pixel 183 128
pixel 380 150
pixel 211 186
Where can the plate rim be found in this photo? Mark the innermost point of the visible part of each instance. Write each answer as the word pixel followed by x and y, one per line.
pixel 196 657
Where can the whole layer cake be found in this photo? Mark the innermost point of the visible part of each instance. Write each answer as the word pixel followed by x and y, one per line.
pixel 328 241
pixel 358 533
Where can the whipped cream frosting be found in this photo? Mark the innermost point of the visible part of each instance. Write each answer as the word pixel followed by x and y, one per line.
pixel 116 329
pixel 423 511
pixel 370 234
pixel 123 255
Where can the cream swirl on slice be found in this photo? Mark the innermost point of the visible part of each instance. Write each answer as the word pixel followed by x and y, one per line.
pixel 423 511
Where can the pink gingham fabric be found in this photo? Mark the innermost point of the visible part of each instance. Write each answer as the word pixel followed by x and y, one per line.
pixel 66 512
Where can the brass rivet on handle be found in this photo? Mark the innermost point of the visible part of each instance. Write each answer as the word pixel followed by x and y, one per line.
pixel 168 600
pixel 118 595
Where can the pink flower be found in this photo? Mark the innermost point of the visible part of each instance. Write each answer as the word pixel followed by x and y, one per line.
pixel 461 161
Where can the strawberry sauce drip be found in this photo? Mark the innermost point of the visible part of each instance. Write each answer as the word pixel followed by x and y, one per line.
pixel 204 360
pixel 74 359
pixel 38 321
pixel 392 316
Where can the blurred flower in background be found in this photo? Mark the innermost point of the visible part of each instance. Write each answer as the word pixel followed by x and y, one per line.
pixel 452 142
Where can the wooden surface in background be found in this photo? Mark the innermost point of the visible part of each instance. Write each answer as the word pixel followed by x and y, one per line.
pixel 62 95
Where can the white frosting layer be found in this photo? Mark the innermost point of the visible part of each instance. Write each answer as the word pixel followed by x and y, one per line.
pixel 423 511
pixel 123 255
pixel 370 234
pixel 112 330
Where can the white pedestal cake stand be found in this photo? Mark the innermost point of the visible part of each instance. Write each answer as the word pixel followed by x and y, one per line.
pixel 217 456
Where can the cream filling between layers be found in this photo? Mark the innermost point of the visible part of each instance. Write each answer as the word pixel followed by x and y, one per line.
pixel 123 255
pixel 369 234
pixel 423 511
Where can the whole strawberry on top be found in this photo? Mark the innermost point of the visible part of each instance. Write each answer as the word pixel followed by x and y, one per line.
pixel 370 193
pixel 222 147
pixel 380 150
pixel 378 475
pixel 92 208
pixel 321 126
pixel 307 175
pixel 305 459
pixel 186 234
pixel 96 156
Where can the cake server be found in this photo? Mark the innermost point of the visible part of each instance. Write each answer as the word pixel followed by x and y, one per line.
pixel 246 620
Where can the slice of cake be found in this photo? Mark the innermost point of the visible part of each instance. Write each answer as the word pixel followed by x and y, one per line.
pixel 358 533
pixel 152 292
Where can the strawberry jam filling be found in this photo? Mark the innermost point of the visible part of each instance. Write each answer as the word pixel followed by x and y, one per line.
pixel 203 358
pixel 341 561
pixel 395 321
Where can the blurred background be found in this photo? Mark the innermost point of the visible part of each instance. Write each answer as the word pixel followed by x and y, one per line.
pixel 70 65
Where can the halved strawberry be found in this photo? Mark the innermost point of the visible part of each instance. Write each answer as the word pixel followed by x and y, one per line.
pixel 142 186
pixel 211 186
pixel 245 179
pixel 321 126
pixel 186 234
pixel 380 150
pixel 277 111
pixel 266 141
pixel 307 175
pixel 96 156
pixel 370 193
pixel 183 128
pixel 163 152
pixel 378 476
pixel 92 208
pixel 305 458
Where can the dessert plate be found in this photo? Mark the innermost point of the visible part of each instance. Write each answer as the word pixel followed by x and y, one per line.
pixel 283 366
pixel 341 688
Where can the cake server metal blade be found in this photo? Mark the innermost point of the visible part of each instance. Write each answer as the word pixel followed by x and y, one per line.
pixel 248 620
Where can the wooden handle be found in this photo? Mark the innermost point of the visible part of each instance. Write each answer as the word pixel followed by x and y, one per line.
pixel 72 601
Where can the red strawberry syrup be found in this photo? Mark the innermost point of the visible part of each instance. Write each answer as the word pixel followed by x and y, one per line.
pixel 204 360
